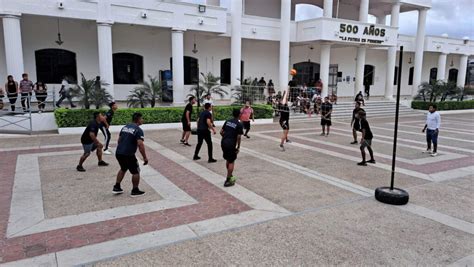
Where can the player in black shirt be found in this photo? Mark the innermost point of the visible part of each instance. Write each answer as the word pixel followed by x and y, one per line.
pixel 355 124
pixel 186 121
pixel 284 120
pixel 90 142
pixel 366 139
pixel 204 125
pixel 231 135
pixel 326 110
pixel 109 115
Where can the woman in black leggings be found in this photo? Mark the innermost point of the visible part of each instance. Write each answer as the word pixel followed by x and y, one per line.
pixel 12 91
pixel 41 94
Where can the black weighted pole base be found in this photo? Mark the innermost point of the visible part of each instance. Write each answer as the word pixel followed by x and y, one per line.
pixel 396 196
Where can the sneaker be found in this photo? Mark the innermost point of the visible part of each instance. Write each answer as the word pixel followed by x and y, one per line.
pixel 228 183
pixel 232 179
pixel 282 147
pixel 362 163
pixel 428 151
pixel 117 190
pixel 247 136
pixel 58 106
pixel 137 193
pixel 79 168
pixel 323 134
pixel 181 141
pixel 107 152
pixel 288 141
pixel 73 106
pixel 103 163
pixel 186 144
pixel 371 161
pixel 434 154
pixel 196 157
pixel 354 142
pixel 211 161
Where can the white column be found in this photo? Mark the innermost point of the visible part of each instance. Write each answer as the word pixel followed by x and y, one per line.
pixel 285 43
pixel 361 51
pixel 177 51
pixel 442 67
pixel 324 68
pixel 13 46
pixel 392 55
pixel 236 43
pixel 419 48
pixel 364 11
pixel 462 71
pixel 327 13
pixel 106 69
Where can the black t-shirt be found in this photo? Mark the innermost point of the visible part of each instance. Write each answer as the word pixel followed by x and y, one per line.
pixel 325 109
pixel 364 125
pixel 189 107
pixel 356 120
pixel 202 125
pixel 359 97
pixel 232 128
pixel 284 113
pixel 109 115
pixel 129 136
pixel 93 127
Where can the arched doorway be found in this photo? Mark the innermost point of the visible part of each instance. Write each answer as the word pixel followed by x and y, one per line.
pixel 128 68
pixel 306 72
pixel 191 70
pixel 52 65
pixel 453 76
pixel 225 71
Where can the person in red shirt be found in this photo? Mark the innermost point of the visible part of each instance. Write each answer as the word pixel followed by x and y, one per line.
pixel 246 114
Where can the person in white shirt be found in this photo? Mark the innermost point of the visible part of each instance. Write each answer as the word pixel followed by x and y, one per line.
pixel 208 99
pixel 433 122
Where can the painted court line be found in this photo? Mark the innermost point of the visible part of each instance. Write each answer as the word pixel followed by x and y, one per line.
pixel 352 158
pixel 27 211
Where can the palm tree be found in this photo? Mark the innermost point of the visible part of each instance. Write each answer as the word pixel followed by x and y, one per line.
pixel 437 89
pixel 152 88
pixel 138 98
pixel 87 91
pixel 208 84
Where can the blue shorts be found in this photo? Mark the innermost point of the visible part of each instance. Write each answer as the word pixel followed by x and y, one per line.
pixel 88 148
pixel 432 136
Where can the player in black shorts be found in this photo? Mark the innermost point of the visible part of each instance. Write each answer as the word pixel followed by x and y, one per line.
pixel 231 134
pixel 131 137
pixel 355 123
pixel 366 139
pixel 326 110
pixel 186 121
pixel 284 120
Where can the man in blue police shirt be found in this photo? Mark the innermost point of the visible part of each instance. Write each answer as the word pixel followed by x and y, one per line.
pixel 131 137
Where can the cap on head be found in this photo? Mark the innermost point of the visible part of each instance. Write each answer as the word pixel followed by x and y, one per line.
pixel 236 113
pixel 111 104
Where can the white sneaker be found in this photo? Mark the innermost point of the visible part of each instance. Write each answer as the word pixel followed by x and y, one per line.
pixel 434 154
pixel 107 152
pixel 426 151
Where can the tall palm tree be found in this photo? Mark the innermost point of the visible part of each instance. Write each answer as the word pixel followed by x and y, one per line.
pixel 138 98
pixel 152 88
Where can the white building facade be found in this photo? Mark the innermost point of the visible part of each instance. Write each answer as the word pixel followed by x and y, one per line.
pixel 125 41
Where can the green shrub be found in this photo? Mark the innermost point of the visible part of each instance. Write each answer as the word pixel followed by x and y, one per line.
pixel 81 117
pixel 445 105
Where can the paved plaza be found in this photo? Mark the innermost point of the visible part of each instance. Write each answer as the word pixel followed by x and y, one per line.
pixel 310 205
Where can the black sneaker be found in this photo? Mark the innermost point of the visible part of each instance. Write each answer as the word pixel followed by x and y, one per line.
pixel 117 190
pixel 73 106
pixel 371 161
pixel 103 163
pixel 354 142
pixel 79 168
pixel 362 163
pixel 186 144
pixel 136 193
pixel 211 161
pixel 181 141
pixel 228 183
pixel 196 158
pixel 247 136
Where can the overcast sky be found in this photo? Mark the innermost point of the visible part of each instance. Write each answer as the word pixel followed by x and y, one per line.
pixel 454 17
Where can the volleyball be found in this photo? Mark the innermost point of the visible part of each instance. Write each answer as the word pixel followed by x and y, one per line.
pixel 292 72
